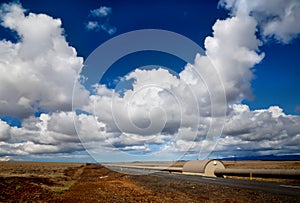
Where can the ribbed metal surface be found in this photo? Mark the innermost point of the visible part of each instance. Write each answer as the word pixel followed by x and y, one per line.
pixel 203 167
pixel 195 166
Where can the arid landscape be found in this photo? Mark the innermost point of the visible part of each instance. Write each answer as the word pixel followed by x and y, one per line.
pixel 97 98
pixel 77 182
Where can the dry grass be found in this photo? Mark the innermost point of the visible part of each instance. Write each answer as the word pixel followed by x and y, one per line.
pixel 35 168
pixel 69 182
pixel 20 179
pixel 263 164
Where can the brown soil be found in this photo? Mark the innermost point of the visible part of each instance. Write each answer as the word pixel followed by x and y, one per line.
pixel 263 164
pixel 36 182
pixel 94 183
pixel 98 184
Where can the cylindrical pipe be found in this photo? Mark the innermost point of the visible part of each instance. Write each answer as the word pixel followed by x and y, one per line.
pixel 276 173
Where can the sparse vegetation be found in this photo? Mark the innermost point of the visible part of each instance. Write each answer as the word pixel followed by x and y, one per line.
pixel 67 182
pixel 34 182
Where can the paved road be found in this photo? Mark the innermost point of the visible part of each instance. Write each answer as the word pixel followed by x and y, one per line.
pixel 277 188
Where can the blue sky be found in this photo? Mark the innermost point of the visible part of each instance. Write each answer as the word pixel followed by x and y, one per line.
pixel 276 77
pixel 253 47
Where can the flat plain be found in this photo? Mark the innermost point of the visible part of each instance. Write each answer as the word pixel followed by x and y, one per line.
pixel 80 182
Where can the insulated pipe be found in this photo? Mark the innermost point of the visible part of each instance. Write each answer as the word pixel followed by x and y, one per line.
pixel 270 173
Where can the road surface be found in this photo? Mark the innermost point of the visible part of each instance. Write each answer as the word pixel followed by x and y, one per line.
pixel 272 187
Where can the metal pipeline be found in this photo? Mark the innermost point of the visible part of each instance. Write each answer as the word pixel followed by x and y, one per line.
pixel 268 173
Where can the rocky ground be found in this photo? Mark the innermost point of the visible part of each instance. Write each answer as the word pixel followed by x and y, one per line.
pixel 94 183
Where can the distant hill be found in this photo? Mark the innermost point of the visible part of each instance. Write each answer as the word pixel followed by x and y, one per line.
pixel 265 158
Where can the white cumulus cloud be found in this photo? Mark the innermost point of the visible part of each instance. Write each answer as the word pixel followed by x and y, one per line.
pixel 278 19
pixel 38 71
pixel 160 112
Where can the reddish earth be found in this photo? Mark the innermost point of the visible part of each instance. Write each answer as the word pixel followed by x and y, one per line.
pixel 94 183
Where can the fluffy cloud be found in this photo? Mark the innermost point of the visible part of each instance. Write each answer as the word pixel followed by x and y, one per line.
pixel 278 19
pixel 100 20
pixel 233 50
pixel 108 28
pixel 260 131
pixel 51 133
pixel 92 25
pixel 163 115
pixel 38 71
pixel 174 113
pixel 6 158
pixel 4 131
pixel 103 11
